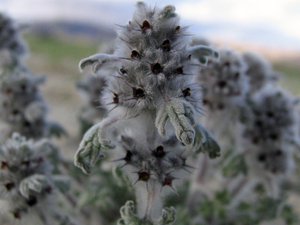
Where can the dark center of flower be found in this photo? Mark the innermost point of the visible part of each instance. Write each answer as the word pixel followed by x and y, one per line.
pixel 128 156
pixel 278 152
pixel 8 91
pixel 236 75
pixel 156 68
pixel 15 112
pixel 116 98
pixel 226 64
pixel 273 136
pixel 123 71
pixel 159 152
pixel 32 200
pixel 23 87
pixel 48 189
pixel 262 157
pixel 9 185
pixel 4 165
pixel 145 26
pixel 167 181
pixel 17 214
pixel 166 45
pixel 220 106
pixel 135 54
pixel 222 83
pixel 144 176
pixel 27 124
pixel 270 114
pixel 26 162
pixel 179 70
pixel 138 92
pixel 186 92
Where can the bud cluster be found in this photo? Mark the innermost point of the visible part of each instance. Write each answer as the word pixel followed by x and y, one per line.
pixel 22 107
pixel 259 71
pixel 224 81
pixel 257 126
pixel 11 47
pixel 91 111
pixel 25 175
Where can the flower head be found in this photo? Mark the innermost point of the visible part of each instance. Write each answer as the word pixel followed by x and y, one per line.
pixel 25 174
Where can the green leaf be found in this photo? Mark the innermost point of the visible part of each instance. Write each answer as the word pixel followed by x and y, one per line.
pixel 55 129
pixel 205 142
pixel 63 183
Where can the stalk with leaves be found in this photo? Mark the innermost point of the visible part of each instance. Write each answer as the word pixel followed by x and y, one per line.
pixel 152 105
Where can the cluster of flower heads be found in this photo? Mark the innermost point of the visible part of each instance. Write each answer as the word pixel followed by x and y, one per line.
pixel 225 87
pixel 11 47
pixel 241 98
pixel 150 74
pixel 257 125
pixel 270 136
pixel 224 81
pixel 272 117
pixel 25 176
pixel 157 162
pixel 22 107
pixel 150 95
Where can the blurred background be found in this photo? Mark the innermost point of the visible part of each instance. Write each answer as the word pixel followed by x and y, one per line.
pixel 59 33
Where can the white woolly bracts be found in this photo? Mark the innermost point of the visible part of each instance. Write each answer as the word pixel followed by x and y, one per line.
pixel 150 76
pixel 225 87
pixel 152 103
pixel 22 108
pixel 25 175
pixel 268 163
pixel 155 166
pixel 259 71
pixel 272 116
pixel 270 158
pixel 155 161
pixel 224 81
pixel 269 139
pixel 12 49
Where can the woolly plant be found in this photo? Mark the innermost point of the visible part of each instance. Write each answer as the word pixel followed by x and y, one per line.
pixel 26 183
pixel 150 99
pixel 259 71
pixel 225 86
pixel 22 107
pixel 270 137
pixel 258 133
pixel 264 160
pixel 12 49
pixel 272 116
pixel 91 112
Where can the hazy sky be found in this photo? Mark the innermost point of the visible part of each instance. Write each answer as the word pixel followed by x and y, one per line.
pixel 269 22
